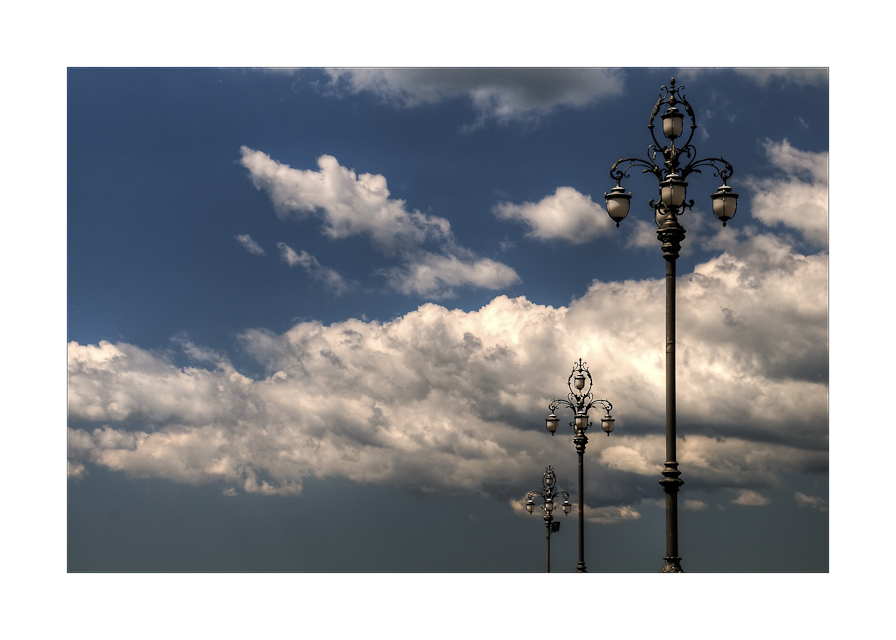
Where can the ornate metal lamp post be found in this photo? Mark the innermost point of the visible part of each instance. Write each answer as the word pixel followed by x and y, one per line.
pixel 671 176
pixel 580 400
pixel 548 494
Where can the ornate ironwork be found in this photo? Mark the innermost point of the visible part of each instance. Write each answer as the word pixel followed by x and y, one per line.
pixel 672 156
pixel 549 492
pixel 580 400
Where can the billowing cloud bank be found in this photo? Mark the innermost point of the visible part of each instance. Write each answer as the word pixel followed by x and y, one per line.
pixel 453 402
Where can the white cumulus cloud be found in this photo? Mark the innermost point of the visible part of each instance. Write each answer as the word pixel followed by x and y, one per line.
pixel 798 199
pixel 567 214
pixel 437 276
pixel 350 204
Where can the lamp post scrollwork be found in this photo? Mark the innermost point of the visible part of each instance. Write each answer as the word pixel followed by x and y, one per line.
pixel 672 176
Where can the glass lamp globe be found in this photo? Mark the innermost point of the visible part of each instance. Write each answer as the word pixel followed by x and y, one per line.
pixel 673 190
pixel 607 422
pixel 618 202
pixel 724 204
pixel 673 121
pixel 552 422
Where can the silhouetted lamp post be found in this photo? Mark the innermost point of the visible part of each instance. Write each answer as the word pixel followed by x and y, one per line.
pixel 580 400
pixel 549 494
pixel 672 203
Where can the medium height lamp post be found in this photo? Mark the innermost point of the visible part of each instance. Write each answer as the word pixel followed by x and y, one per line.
pixel 548 494
pixel 580 400
pixel 672 203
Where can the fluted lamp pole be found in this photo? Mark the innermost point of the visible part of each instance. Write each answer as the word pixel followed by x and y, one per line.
pixel 549 494
pixel 580 400
pixel 672 203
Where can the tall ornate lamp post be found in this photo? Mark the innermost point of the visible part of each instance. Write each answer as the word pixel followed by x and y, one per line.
pixel 580 400
pixel 672 203
pixel 548 494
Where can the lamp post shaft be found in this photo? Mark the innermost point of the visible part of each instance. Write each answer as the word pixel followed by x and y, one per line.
pixel 580 567
pixel 548 527
pixel 671 235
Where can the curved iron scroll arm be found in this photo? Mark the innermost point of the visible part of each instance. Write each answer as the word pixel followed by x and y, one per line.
pixel 604 404
pixel 721 172
pixel 651 167
pixel 585 404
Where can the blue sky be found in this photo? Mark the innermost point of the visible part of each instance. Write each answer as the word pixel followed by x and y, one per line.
pixel 345 298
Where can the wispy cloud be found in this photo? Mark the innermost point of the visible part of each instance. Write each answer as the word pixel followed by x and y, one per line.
pixel 328 277
pixel 350 204
pixel 750 498
pixel 249 244
pixel 501 95
pixel 611 514
pixel 812 502
pixel 798 76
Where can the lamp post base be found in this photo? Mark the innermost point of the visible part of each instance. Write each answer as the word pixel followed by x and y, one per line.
pixel 672 565
pixel 580 568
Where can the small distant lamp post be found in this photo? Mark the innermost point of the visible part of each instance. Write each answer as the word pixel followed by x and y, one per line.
pixel 549 494
pixel 672 203
pixel 581 401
